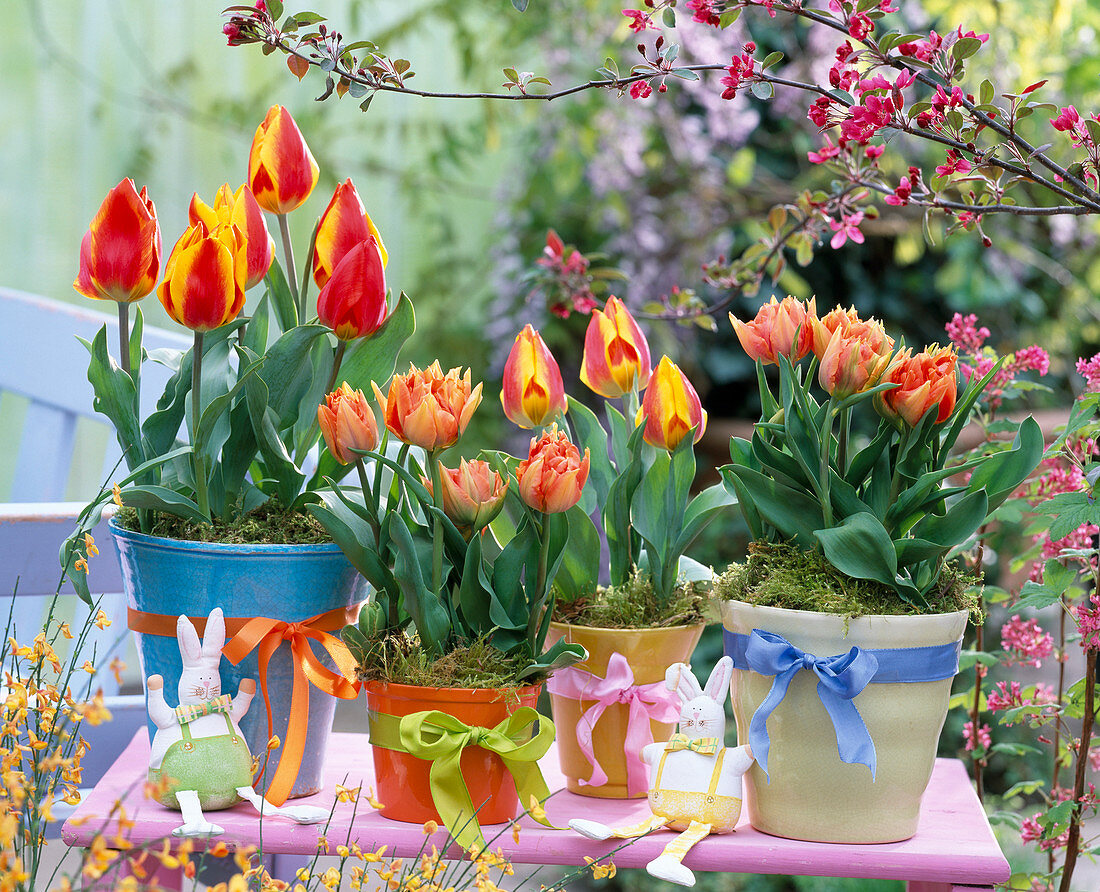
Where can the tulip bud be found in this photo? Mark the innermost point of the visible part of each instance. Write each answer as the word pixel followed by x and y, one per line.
pixel 241 210
pixel 472 494
pixel 344 224
pixel 533 394
pixel 671 408
pixel 616 354
pixel 120 252
pixel 552 477
pixel 281 169
pixel 924 381
pixel 353 301
pixel 427 408
pixel 204 278
pixel 779 329
pixel 347 422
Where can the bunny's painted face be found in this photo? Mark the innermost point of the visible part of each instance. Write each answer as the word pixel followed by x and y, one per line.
pixel 205 685
pixel 699 721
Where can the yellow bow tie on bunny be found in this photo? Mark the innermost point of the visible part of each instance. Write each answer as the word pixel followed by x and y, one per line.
pixel 188 712
pixel 708 746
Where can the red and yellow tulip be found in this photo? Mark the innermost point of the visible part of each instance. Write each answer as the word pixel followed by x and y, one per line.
pixel 779 329
pixel 427 408
pixel 472 494
pixel 353 301
pixel 552 477
pixel 205 277
pixel 281 169
pixel 120 252
pixel 347 422
pixel 925 381
pixel 344 224
pixel 671 408
pixel 616 354
pixel 239 209
pixel 533 393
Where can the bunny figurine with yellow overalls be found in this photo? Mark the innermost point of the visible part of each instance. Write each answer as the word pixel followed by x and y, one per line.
pixel 694 779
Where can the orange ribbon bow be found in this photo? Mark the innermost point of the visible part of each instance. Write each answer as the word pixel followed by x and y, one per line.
pixel 267 634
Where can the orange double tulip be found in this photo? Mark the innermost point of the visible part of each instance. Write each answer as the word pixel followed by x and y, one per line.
pixel 671 408
pixel 552 477
pixel 427 408
pixel 925 381
pixel 239 209
pixel 533 393
pixel 853 353
pixel 344 224
pixel 347 422
pixel 205 277
pixel 353 301
pixel 281 170
pixel 472 494
pixel 120 252
pixel 779 329
pixel 616 353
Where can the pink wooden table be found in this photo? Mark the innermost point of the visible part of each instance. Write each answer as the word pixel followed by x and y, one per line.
pixel 954 848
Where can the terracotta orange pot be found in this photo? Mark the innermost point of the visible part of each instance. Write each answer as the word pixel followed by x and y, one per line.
pixel 649 652
pixel 403 785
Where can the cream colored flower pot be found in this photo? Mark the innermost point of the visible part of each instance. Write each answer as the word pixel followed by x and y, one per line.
pixel 812 794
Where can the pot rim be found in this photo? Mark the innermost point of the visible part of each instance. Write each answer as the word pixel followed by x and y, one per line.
pixel 900 617
pixel 643 631
pixel 220 548
pixel 481 695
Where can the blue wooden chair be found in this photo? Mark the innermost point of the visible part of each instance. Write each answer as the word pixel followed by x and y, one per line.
pixel 43 366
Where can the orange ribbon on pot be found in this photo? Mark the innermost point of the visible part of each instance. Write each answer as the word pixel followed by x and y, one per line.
pixel 266 635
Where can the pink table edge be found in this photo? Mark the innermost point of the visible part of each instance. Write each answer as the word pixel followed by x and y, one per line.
pixel 954 842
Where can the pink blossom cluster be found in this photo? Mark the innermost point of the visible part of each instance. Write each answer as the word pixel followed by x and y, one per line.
pixel 984 739
pixel 1010 695
pixel 965 333
pixel 1088 624
pixel 706 13
pixel 639 20
pixel 970 339
pixel 1089 369
pixel 1026 642
pixel 741 68
pixel 571 269
pixel 1031 831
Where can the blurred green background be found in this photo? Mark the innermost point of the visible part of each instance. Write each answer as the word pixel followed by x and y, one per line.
pixel 464 192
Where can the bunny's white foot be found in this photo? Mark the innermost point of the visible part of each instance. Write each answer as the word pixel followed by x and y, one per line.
pixel 591 829
pixel 667 868
pixel 194 822
pixel 301 814
pixel 199 828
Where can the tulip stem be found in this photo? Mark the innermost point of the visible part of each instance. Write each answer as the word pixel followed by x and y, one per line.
pixel 124 335
pixel 291 274
pixel 842 441
pixel 535 616
pixel 437 528
pixel 201 494
pixel 826 452
pixel 341 346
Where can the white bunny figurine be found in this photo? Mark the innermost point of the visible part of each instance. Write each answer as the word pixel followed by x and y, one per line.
pixel 199 759
pixel 695 781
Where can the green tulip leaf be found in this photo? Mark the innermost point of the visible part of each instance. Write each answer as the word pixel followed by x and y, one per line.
pixel 794 514
pixel 591 435
pixel 278 291
pixel 432 621
pixel 1000 474
pixel 580 564
pixel 959 523
pixel 115 397
pixel 860 547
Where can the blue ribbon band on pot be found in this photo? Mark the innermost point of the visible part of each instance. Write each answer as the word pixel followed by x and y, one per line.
pixel 841 678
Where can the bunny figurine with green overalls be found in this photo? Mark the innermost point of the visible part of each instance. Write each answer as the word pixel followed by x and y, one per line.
pixel 199 759
pixel 694 779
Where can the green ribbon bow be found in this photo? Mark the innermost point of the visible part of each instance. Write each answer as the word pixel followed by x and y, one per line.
pixel 708 746
pixel 440 738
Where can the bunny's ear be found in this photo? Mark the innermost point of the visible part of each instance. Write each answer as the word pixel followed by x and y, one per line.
pixel 719 681
pixel 190 648
pixel 214 638
pixel 679 678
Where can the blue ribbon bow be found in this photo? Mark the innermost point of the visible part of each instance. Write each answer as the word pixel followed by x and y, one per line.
pixel 841 679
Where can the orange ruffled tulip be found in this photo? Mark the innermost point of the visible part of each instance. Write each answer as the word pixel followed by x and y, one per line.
pixel 616 354
pixel 344 224
pixel 281 169
pixel 240 209
pixel 779 329
pixel 533 394
pixel 205 276
pixel 848 321
pixel 347 421
pixel 924 381
pixel 427 408
pixel 120 252
pixel 552 477
pixel 671 408
pixel 353 301
pixel 472 494
pixel 850 363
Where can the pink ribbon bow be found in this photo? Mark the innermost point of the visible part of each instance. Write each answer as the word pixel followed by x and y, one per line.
pixel 647 702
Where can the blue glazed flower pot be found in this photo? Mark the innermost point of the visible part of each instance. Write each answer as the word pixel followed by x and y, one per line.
pixel 285 582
